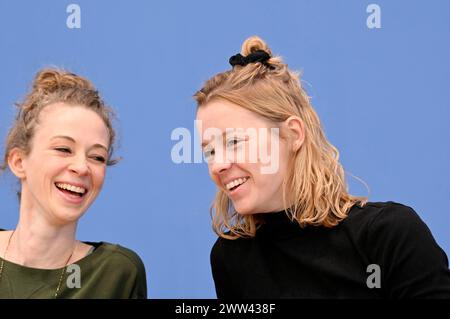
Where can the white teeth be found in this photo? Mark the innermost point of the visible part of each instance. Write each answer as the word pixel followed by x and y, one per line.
pixel 236 182
pixel 72 188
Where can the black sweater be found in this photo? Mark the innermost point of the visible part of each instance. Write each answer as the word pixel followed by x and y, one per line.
pixel 286 261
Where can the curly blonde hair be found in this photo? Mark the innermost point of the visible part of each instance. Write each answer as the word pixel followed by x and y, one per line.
pixel 316 186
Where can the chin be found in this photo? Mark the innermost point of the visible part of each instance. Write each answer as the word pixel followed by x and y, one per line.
pixel 242 210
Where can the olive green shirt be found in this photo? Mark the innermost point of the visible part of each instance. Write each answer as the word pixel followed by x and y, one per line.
pixel 109 271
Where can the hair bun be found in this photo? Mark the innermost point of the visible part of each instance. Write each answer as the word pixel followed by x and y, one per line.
pixel 50 80
pixel 254 44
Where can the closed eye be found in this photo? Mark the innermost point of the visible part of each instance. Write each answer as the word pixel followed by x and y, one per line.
pixel 63 149
pixel 100 159
pixel 233 142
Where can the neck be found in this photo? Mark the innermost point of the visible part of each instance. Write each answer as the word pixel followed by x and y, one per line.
pixel 37 243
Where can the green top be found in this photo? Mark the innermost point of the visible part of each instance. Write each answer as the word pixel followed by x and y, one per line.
pixel 109 271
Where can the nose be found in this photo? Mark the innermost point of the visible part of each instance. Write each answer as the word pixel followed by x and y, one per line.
pixel 220 167
pixel 79 165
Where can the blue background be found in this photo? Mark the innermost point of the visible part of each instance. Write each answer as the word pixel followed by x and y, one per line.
pixel 382 95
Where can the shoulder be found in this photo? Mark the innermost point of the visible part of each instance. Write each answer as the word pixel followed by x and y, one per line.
pixel 121 267
pixel 225 253
pixel 386 224
pixel 119 257
pixel 224 247
pixel 122 252
pixel 399 225
pixel 391 229
pixel 394 237
pixel 373 209
pixel 383 216
pixel 223 243
pixel 218 247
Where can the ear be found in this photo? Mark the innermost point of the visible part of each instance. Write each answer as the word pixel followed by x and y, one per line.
pixel 296 132
pixel 16 162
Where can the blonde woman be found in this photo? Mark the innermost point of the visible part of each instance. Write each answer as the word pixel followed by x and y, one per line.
pixel 288 228
pixel 59 147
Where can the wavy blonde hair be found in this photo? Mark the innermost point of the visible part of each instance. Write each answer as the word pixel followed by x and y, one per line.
pixel 316 187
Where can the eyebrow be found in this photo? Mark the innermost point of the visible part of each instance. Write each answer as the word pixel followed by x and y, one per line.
pixel 72 140
pixel 205 144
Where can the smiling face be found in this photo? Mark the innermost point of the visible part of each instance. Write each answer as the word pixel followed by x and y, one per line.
pixel 65 169
pixel 240 170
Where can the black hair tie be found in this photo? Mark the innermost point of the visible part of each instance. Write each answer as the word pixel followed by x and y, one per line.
pixel 257 56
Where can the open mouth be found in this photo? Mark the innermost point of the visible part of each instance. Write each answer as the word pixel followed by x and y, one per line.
pixel 235 184
pixel 71 190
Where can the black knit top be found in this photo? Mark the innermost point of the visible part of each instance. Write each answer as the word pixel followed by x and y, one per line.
pixel 381 250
